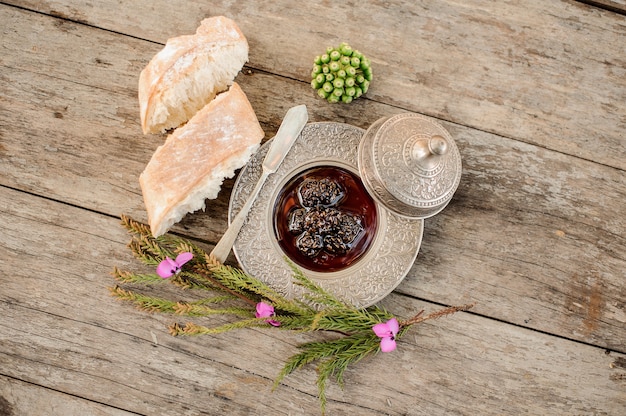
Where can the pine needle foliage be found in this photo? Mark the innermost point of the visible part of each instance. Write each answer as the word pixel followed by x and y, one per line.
pixel 235 294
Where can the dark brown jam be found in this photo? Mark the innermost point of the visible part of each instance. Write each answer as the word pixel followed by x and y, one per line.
pixel 324 219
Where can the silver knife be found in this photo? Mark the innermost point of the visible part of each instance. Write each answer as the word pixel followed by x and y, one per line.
pixel 288 132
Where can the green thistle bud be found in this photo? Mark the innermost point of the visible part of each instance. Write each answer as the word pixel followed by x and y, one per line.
pixel 365 86
pixel 332 98
pixel 341 74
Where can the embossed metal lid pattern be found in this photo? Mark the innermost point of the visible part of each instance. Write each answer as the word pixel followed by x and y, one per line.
pixel 410 164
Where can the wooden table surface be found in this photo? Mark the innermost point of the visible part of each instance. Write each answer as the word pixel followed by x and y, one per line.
pixel 534 93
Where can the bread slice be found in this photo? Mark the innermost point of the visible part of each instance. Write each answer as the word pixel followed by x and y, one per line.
pixel 188 72
pixel 194 160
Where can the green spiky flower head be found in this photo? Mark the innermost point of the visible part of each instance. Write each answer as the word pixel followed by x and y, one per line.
pixel 341 74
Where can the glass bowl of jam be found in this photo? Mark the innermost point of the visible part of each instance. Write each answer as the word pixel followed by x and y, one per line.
pixel 324 219
pixel 315 213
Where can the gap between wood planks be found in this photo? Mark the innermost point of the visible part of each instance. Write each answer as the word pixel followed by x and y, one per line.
pixel 608 5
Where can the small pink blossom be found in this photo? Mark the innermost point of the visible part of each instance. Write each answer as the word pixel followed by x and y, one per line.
pixel 168 267
pixel 263 310
pixel 387 332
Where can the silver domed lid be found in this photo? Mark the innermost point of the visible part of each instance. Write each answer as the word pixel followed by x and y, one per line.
pixel 410 164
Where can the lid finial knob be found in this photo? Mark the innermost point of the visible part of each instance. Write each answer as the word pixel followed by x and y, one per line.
pixel 428 153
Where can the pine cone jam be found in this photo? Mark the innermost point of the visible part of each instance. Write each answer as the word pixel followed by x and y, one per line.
pixel 324 219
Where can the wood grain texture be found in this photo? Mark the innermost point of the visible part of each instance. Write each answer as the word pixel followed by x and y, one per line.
pixel 547 73
pixel 74 338
pixel 18 398
pixel 533 92
pixel 534 236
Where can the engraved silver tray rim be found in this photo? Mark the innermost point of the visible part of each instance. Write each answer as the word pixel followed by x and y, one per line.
pixel 374 276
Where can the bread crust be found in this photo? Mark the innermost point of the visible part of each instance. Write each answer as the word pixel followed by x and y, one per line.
pixel 188 72
pixel 196 158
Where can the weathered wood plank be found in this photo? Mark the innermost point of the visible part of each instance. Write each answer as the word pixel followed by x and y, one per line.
pixel 534 236
pixel 61 330
pixel 19 398
pixel 548 73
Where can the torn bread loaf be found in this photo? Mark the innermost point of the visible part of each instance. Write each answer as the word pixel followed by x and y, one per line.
pixel 194 161
pixel 189 72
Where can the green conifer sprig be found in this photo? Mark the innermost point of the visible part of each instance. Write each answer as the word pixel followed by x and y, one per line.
pixel 200 308
pixel 356 346
pixel 135 227
pixel 236 295
pixel 129 277
pixel 151 250
pixel 191 328
pixel 143 302
pixel 334 357
pixel 314 293
pixel 189 280
pixel 236 280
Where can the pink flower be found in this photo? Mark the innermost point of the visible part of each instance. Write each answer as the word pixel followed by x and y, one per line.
pixel 168 267
pixel 387 332
pixel 263 310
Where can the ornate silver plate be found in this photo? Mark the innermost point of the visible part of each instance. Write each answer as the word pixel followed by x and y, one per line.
pixel 377 273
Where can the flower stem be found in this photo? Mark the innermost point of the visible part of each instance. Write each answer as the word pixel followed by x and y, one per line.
pixel 434 315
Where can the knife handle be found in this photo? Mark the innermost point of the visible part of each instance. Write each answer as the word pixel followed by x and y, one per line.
pixel 288 132
pixel 223 247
